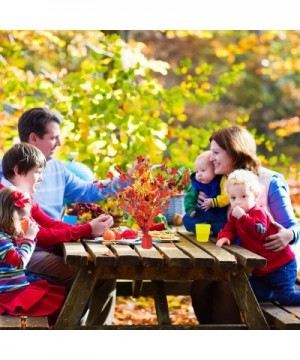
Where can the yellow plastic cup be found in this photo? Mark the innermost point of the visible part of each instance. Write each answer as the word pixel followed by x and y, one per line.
pixel 202 232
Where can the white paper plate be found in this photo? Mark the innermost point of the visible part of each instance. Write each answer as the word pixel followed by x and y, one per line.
pixel 137 241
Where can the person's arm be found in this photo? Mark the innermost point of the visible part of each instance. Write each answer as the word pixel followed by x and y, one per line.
pixel 280 206
pixel 78 190
pixel 54 232
pixel 59 184
pixel 190 200
pixel 222 199
pixel 227 232
pixel 18 257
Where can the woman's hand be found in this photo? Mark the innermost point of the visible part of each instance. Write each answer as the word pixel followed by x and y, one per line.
pixel 206 204
pixel 201 197
pixel 101 224
pixel 280 240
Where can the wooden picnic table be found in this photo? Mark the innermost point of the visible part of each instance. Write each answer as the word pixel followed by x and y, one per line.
pixel 185 260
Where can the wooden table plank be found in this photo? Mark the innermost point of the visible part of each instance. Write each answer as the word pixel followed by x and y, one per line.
pixel 199 257
pixel 223 257
pixel 149 257
pixel 101 254
pixel 126 254
pixel 75 254
pixel 245 257
pixel 173 256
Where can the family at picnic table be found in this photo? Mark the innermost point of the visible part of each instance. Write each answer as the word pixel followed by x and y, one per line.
pixel 244 202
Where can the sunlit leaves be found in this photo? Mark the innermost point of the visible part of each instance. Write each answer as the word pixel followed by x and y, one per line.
pixel 105 89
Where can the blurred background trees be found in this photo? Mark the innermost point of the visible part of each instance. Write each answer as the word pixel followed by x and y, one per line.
pixel 125 93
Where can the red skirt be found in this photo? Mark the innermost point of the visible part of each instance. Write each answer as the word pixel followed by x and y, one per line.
pixel 37 299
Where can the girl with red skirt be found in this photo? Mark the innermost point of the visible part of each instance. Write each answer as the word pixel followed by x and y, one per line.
pixel 17 242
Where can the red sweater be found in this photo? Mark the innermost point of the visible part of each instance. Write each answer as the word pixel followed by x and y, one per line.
pixel 53 232
pixel 246 229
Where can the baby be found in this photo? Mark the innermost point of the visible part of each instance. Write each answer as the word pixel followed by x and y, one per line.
pixel 213 209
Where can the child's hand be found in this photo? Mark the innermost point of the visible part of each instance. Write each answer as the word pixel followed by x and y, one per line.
pixel 238 212
pixel 101 224
pixel 192 214
pixel 223 241
pixel 32 230
pixel 206 204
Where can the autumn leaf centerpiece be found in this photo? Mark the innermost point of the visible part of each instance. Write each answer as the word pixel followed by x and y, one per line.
pixel 148 193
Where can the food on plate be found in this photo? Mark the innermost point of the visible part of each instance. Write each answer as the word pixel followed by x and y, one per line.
pixel 158 226
pixel 130 234
pixel 118 234
pixel 109 235
pixel 161 218
pixel 162 235
pixel 135 226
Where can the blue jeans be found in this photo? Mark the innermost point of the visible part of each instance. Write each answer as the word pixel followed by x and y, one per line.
pixel 215 217
pixel 278 286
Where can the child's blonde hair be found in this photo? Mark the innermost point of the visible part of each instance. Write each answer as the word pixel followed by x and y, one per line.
pixel 245 177
pixel 11 211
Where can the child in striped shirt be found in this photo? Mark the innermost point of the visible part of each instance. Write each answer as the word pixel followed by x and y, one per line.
pixel 17 242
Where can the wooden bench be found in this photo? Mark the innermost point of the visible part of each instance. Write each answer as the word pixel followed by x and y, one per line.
pixel 23 322
pixel 281 317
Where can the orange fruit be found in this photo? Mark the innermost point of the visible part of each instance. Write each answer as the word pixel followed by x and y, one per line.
pixel 109 235
pixel 24 224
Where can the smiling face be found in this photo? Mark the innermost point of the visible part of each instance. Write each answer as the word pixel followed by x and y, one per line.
pixel 48 143
pixel 223 164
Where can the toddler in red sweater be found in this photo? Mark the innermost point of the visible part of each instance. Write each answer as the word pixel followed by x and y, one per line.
pixel 252 224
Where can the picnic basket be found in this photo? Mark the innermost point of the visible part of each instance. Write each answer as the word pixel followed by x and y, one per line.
pixel 176 206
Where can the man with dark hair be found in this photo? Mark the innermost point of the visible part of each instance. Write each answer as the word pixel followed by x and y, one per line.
pixel 41 127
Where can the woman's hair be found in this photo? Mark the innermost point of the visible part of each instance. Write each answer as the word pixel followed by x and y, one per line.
pixel 244 177
pixel 23 156
pixel 36 121
pixel 10 214
pixel 240 146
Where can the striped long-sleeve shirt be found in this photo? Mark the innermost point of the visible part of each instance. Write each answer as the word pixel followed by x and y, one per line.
pixel 13 261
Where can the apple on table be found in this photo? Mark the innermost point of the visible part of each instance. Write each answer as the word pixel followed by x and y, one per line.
pixel 177 219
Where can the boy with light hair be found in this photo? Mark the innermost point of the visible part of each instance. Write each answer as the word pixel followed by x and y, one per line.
pixel 252 223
